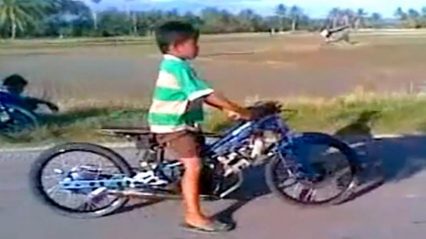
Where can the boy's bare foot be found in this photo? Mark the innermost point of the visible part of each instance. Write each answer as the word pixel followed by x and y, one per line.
pixel 204 224
pixel 196 220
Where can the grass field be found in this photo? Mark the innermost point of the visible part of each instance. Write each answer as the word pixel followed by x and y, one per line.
pixel 349 115
pixel 257 65
pixel 109 81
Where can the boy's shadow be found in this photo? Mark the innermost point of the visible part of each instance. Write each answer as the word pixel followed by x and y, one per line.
pixel 361 126
pixel 254 186
pixel 358 134
pixel 388 159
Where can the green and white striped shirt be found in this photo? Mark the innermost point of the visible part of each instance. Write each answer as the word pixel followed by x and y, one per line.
pixel 177 101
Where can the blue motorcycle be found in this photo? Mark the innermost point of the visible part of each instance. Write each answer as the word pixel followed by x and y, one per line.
pixel 15 121
pixel 86 180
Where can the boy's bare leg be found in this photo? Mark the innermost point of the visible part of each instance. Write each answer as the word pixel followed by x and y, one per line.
pixel 186 146
pixel 191 194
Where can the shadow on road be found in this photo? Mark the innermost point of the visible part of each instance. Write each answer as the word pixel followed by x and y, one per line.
pixel 384 160
pixel 254 186
pixel 136 204
pixel 402 157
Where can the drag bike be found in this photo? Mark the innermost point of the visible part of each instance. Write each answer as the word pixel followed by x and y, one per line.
pixel 88 180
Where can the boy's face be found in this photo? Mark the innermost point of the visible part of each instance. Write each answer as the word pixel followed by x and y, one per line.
pixel 187 49
pixel 16 89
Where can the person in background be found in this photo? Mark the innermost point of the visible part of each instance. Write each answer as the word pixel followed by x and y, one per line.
pixel 12 89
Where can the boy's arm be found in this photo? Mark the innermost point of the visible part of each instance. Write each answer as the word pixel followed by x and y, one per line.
pixel 195 88
pixel 221 102
pixel 34 102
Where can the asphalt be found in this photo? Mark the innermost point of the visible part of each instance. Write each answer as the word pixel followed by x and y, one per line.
pixel 393 210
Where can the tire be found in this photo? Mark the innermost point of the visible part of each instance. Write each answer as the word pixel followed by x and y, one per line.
pixel 23 122
pixel 350 157
pixel 42 161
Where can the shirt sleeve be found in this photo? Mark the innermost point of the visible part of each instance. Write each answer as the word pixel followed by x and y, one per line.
pixel 192 85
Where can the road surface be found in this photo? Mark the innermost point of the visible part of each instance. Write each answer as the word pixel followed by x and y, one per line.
pixel 395 210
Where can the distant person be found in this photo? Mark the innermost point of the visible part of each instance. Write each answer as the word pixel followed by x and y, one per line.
pixel 271 32
pixel 12 89
pixel 336 35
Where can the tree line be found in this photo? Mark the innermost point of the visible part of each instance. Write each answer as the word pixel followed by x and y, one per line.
pixel 71 18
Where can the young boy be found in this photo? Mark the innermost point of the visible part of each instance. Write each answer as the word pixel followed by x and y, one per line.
pixel 177 109
pixel 13 88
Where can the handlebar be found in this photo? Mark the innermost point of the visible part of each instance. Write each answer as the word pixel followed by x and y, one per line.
pixel 263 109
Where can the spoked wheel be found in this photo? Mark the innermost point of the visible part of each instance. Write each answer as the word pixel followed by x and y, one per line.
pixel 78 161
pixel 331 165
pixel 17 122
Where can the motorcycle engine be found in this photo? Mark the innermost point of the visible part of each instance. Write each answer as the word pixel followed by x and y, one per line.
pixel 236 160
pixel 250 153
pixel 209 182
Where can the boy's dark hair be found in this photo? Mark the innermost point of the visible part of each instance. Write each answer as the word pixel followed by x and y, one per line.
pixel 174 32
pixel 15 80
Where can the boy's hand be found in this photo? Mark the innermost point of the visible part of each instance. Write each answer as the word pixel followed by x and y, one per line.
pixel 232 115
pixel 52 107
pixel 232 109
pixel 246 115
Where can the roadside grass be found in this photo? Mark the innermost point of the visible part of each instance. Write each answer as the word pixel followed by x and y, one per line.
pixel 356 114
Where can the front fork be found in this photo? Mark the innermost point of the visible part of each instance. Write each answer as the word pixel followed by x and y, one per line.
pixel 304 167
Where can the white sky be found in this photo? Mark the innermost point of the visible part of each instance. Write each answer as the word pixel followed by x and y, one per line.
pixel 313 7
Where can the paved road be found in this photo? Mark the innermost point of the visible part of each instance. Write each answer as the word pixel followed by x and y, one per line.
pixel 395 210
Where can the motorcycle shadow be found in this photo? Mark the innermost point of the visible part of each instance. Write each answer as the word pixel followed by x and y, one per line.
pixel 135 204
pixel 253 187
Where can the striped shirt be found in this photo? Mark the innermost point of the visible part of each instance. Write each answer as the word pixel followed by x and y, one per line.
pixel 177 100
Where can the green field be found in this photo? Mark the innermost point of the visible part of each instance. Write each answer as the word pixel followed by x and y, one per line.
pixel 109 81
pixel 350 115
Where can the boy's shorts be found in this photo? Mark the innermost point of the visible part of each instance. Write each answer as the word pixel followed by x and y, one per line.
pixel 183 144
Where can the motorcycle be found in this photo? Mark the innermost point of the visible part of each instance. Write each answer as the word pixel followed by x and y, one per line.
pixel 307 168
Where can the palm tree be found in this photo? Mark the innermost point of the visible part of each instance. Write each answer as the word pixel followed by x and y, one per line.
pixel 360 18
pixel 247 19
pixel 376 19
pixel 135 23
pixel 334 15
pixel 95 15
pixel 134 17
pixel 423 17
pixel 295 13
pixel 413 17
pixel 412 13
pixel 400 14
pixel 18 14
pixel 281 12
pixel 348 17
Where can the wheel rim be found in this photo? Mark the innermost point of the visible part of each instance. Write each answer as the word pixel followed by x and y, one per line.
pixel 335 174
pixel 73 201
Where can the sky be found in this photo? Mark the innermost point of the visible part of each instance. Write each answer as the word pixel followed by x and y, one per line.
pixel 316 8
